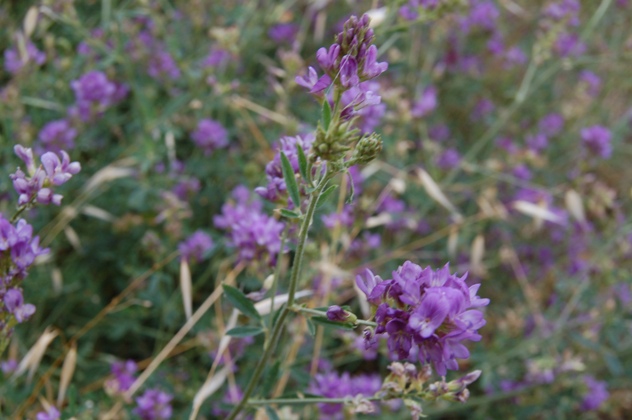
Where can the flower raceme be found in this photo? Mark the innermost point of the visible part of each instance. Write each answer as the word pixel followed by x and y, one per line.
pixel 350 60
pixel 39 185
pixel 426 314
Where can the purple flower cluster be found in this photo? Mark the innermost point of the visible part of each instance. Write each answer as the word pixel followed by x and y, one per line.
pixel 363 103
pixel 51 413
pixel 58 135
pixel 210 135
pixel 352 59
pixel 196 246
pixel 154 405
pixel 39 185
pixel 94 94
pixel 596 393
pixel 426 314
pixel 335 385
pixel 276 187
pixel 122 377
pixel 426 103
pixel 596 139
pixel 18 250
pixel 15 61
pixel 255 234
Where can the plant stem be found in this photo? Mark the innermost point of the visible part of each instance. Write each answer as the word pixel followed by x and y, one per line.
pixel 288 401
pixel 316 312
pixel 296 271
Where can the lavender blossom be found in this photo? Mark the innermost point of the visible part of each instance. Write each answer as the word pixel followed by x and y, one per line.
pixel 276 187
pixel 596 139
pixel 58 135
pixel 122 377
pixel 426 314
pixel 449 159
pixel 162 66
pixel 283 32
pixel 153 405
pixel 596 393
pixel 39 185
pixel 350 60
pixel 256 235
pixel 195 246
pixel 335 385
pixel 14 61
pixel 210 135
pixel 94 94
pixel 51 413
pixel 551 124
pixel 426 104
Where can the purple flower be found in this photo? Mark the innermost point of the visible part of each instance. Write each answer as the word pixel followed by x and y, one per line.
pixel 217 57
pixel 597 140
pixel 14 61
pixel 163 66
pixel 283 32
pixel 426 104
pixel 255 234
pixel 482 14
pixel 592 81
pixel 596 393
pixel 51 413
pixel 58 135
pixel 350 60
pixel 14 304
pixel 335 385
pixel 449 159
pixel 551 124
pixel 537 142
pixel 153 405
pixel 195 246
pixel 568 45
pixel 276 188
pixel 210 135
pixel 39 185
pixel 94 87
pixel 336 313
pixel 426 314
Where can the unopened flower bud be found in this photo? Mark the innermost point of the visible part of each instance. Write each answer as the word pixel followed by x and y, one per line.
pixel 336 313
pixel 367 149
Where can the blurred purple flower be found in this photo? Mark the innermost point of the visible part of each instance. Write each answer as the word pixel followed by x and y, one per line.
pixel 153 405
pixel 596 393
pixel 426 104
pixel 597 140
pixel 551 124
pixel 195 247
pixel 52 413
pixel 58 135
pixel 14 61
pixel 449 159
pixel 283 32
pixel 210 135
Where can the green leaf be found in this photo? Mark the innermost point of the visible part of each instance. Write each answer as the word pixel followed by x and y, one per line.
pixel 302 162
pixel 272 414
pixel 290 181
pixel 325 195
pixel 311 328
pixel 241 302
pixel 326 322
pixel 290 214
pixel 244 331
pixel 326 114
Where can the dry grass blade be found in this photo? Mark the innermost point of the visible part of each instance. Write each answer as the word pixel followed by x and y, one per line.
pixel 33 357
pixel 434 191
pixel 73 239
pixel 186 287
pixel 206 305
pixel 539 213
pixel 98 213
pixel 212 384
pixel 67 370
pixel 476 255
pixel 30 21
pixel 575 205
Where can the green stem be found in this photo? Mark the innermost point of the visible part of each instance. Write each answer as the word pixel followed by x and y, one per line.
pixel 316 312
pixel 296 271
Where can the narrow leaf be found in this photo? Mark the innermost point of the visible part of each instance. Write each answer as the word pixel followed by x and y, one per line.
pixel 290 214
pixel 326 114
pixel 324 321
pixel 272 414
pixel 290 181
pixel 241 302
pixel 244 331
pixel 311 328
pixel 325 195
pixel 302 162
